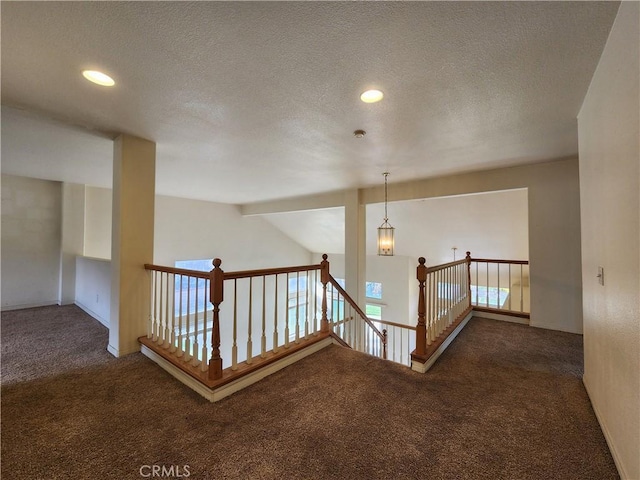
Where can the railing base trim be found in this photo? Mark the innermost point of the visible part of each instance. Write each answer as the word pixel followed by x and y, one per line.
pixel 503 317
pixel 177 373
pixel 216 394
pixel 422 364
pixel 503 312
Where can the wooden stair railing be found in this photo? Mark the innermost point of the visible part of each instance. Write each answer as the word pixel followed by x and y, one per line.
pixel 205 322
pixel 188 319
pixel 444 301
pixel 377 349
pixel 504 285
pixel 446 298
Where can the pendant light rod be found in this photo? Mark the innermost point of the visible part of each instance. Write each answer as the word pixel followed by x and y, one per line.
pixel 386 174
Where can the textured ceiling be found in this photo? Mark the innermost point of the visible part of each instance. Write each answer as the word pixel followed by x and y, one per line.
pixel 252 101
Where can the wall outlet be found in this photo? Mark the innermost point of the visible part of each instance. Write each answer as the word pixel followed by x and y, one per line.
pixel 600 275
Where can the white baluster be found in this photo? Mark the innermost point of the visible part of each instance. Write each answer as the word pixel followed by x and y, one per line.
pixel 250 325
pixel 234 348
pixel 151 274
pixel 196 340
pixel 286 328
pixel 276 347
pixel 263 339
pixel 307 304
pixel 180 322
pixel 187 343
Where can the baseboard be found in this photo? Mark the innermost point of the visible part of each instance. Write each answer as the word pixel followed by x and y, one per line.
pixel 8 308
pixel 112 350
pixel 556 328
pixel 243 382
pixel 122 353
pixel 607 435
pixel 102 320
pixel 501 317
pixel 423 367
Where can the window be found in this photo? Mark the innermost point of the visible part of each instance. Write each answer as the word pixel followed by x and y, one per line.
pixel 449 291
pixel 489 297
pixel 297 303
pixel 191 293
pixel 373 290
pixel 374 311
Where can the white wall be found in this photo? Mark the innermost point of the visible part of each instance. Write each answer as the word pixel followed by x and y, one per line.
pixel 93 287
pixel 31 219
pixel 553 225
pixel 553 200
pixel 392 273
pixel 191 229
pixel 72 239
pixel 489 225
pixel 98 213
pixel 397 275
pixel 609 133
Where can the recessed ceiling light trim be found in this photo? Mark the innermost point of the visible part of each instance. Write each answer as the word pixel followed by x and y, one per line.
pixel 98 78
pixel 371 96
pixel 359 133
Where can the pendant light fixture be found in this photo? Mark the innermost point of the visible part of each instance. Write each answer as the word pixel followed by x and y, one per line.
pixel 385 231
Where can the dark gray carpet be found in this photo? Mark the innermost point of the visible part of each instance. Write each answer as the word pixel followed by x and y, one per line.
pixel 504 402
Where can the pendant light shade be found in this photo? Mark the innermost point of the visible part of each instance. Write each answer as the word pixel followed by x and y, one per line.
pixel 385 231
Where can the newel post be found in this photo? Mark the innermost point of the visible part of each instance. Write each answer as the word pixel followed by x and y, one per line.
pixel 384 344
pixel 421 328
pixel 324 278
pixel 468 258
pixel 216 277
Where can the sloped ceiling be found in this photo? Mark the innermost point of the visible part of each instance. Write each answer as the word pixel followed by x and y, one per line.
pixel 490 225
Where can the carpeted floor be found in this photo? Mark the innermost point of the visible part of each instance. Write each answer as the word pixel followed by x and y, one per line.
pixel 504 402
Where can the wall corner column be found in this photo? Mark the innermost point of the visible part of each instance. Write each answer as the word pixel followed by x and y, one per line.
pixel 355 245
pixel 72 239
pixel 132 235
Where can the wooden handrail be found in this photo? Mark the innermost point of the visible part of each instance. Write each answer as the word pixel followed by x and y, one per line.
pixel 232 275
pixel 516 262
pixel 178 271
pixel 435 268
pixel 393 324
pixel 269 271
pixel 355 306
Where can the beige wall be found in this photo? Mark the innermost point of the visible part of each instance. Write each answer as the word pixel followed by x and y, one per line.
pixel 553 191
pixel 490 225
pixel 72 239
pixel 553 224
pixel 190 230
pixel 93 288
pixel 134 166
pixel 609 133
pixel 193 229
pixel 397 275
pixel 31 231
pixel 97 234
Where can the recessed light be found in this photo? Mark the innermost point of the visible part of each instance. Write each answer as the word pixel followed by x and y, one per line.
pixel 99 78
pixel 359 133
pixel 371 96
